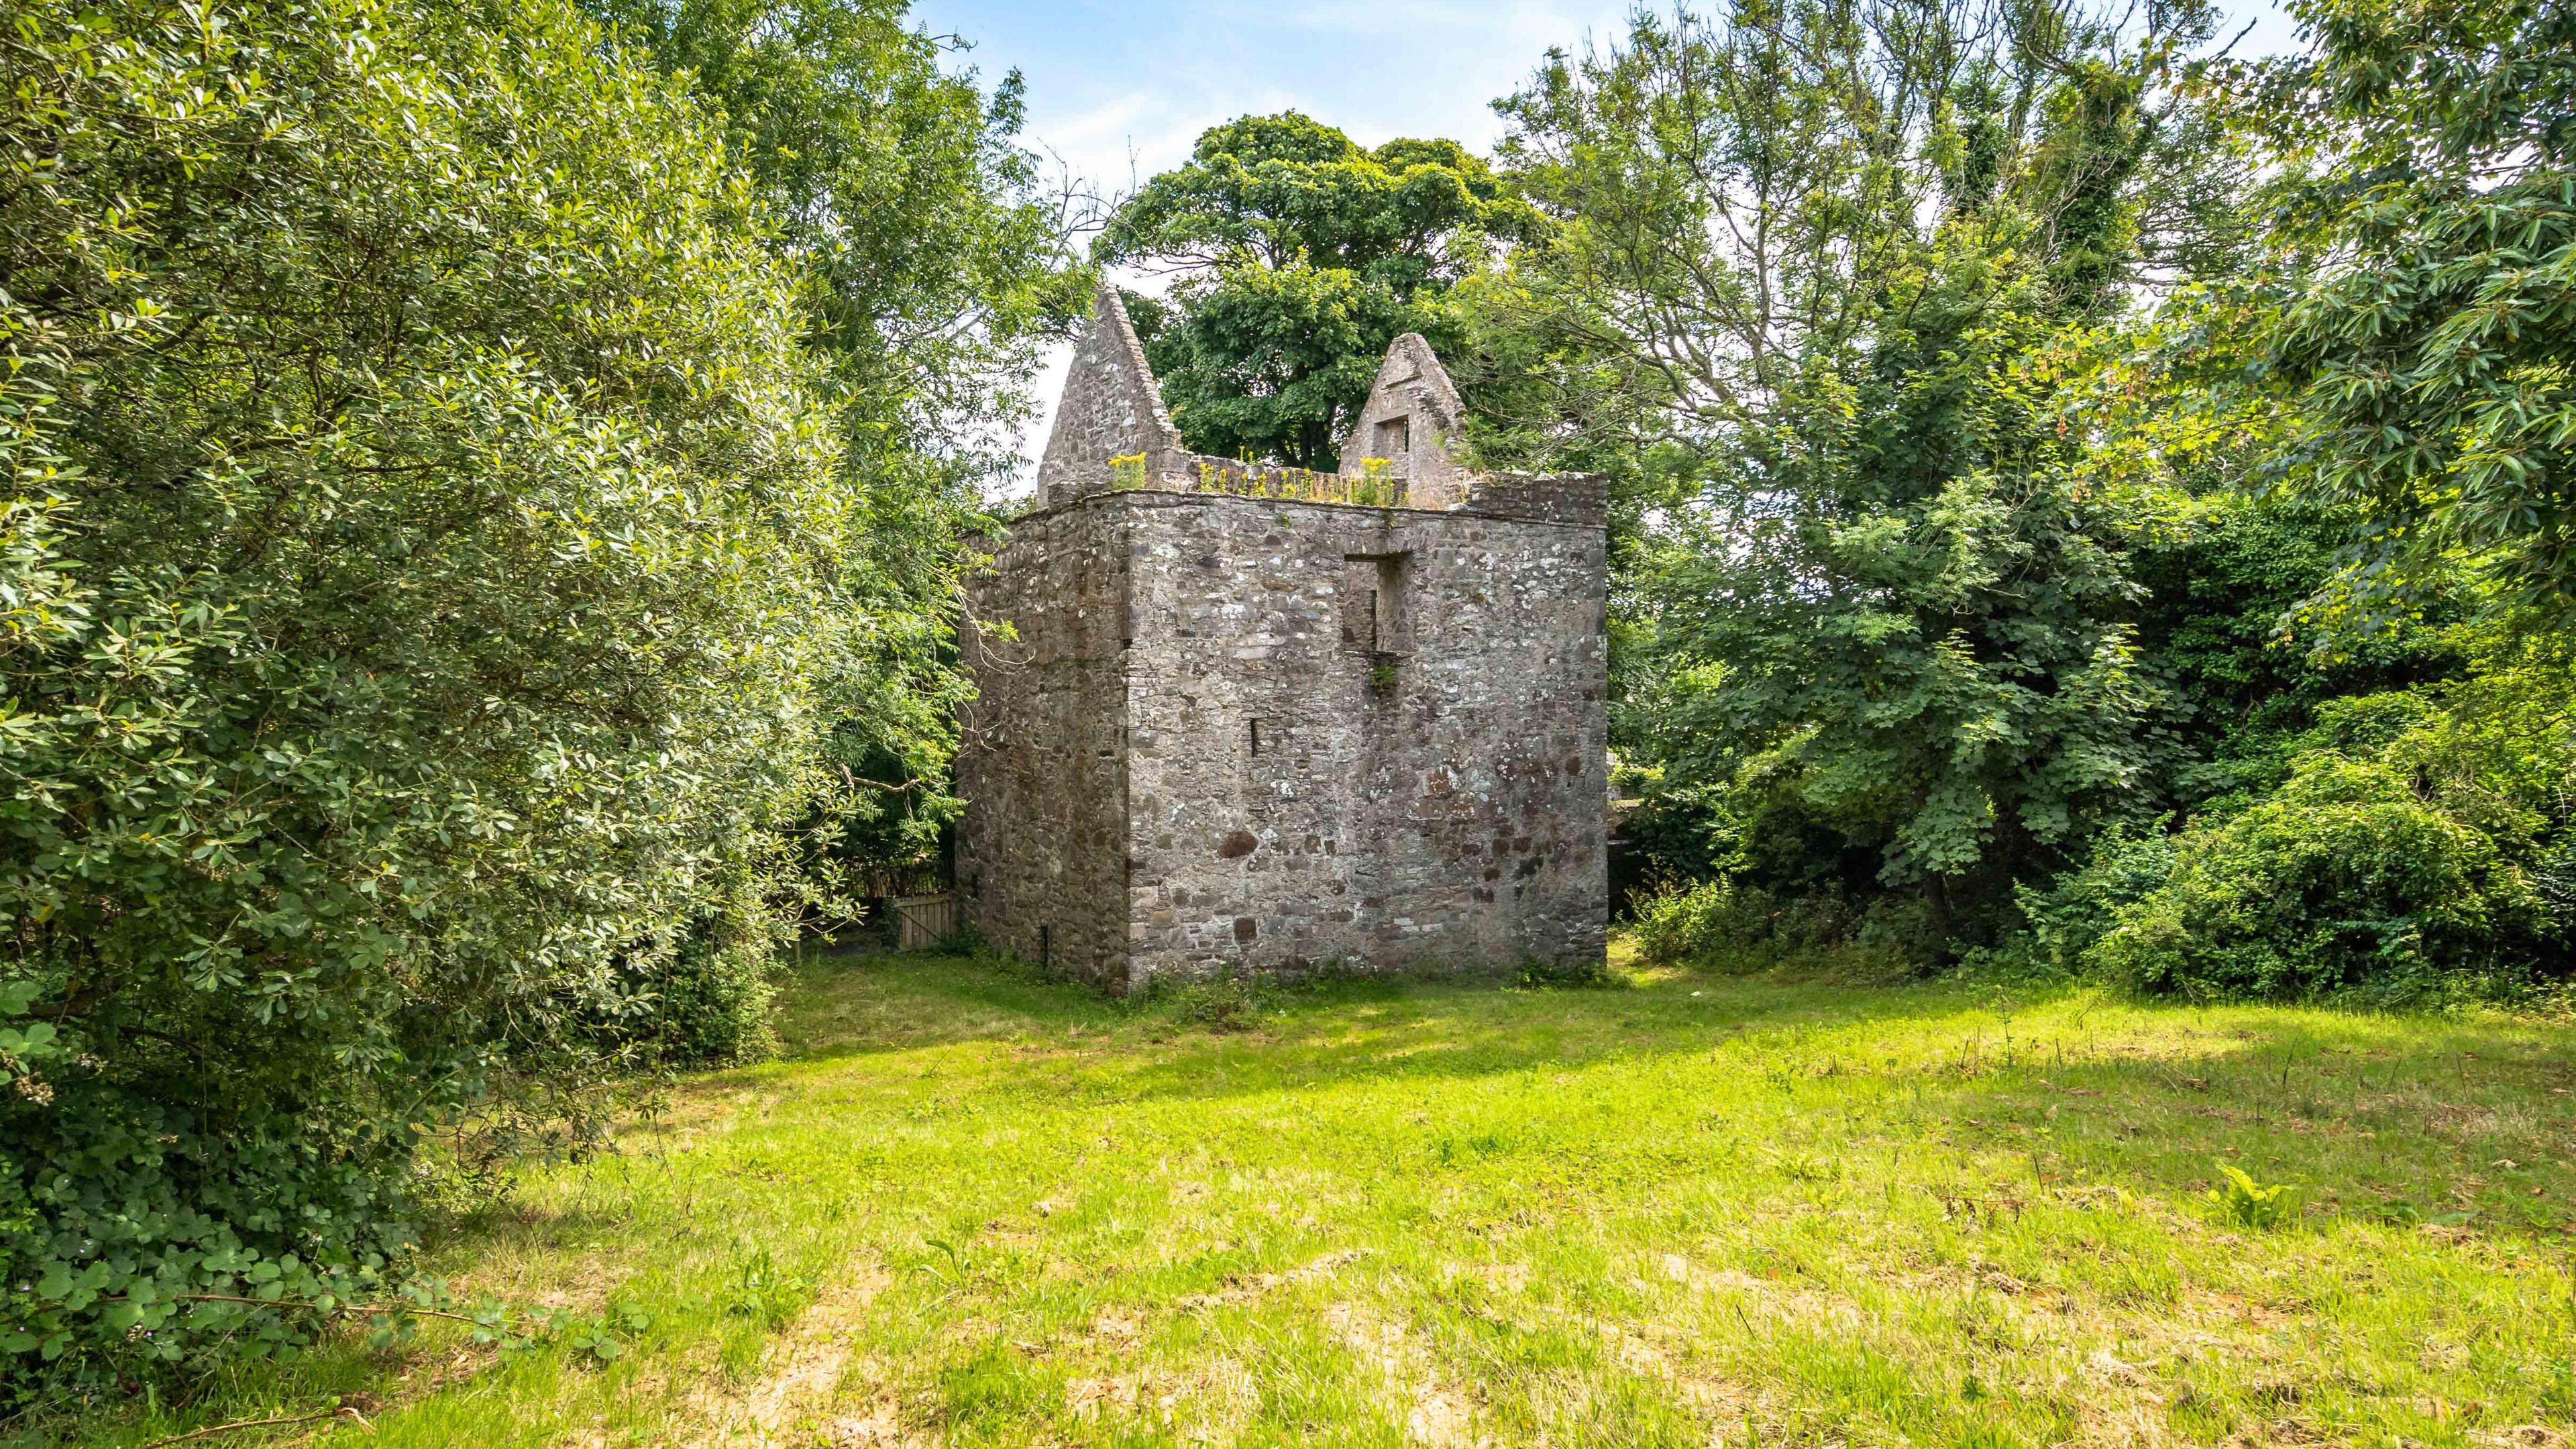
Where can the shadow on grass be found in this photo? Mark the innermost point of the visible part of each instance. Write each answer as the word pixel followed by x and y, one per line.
pixel 859 1003
pixel 868 1003
pixel 2413 1121
pixel 1775 1096
pixel 2452 1123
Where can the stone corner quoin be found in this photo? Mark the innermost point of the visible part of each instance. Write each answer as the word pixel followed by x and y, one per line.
pixel 1250 718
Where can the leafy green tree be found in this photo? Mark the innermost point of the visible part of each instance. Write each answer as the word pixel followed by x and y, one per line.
pixel 428 578
pixel 1833 247
pixel 937 256
pixel 2431 328
pixel 936 264
pixel 2373 763
pixel 2221 624
pixel 1304 255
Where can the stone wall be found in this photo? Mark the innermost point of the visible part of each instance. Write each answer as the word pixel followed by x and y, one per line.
pixel 1041 854
pixel 1312 776
pixel 1576 498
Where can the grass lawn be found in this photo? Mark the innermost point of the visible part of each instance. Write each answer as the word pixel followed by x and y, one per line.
pixel 971 1208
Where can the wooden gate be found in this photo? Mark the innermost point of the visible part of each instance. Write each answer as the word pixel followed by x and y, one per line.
pixel 922 922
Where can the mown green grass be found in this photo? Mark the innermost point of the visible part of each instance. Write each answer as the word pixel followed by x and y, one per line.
pixel 972 1208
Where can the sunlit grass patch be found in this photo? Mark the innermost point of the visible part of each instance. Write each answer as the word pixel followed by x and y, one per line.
pixel 975 1208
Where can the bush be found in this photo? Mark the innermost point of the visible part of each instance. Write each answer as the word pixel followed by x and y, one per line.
pixel 1538 975
pixel 2409 844
pixel 2343 876
pixel 1675 836
pixel 1713 919
pixel 425 542
pixel 1229 1001
pixel 1680 924
pixel 2064 921
pixel 703 1002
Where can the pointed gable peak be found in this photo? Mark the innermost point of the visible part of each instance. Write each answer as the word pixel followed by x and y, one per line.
pixel 1111 407
pixel 1408 423
pixel 1414 368
pixel 1109 316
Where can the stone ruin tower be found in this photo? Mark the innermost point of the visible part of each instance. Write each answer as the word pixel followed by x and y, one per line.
pixel 1252 717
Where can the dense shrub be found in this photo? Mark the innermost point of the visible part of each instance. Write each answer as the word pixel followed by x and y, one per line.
pixel 1731 917
pixel 2419 844
pixel 2343 876
pixel 2064 920
pixel 423 546
pixel 703 1003
pixel 2248 693
pixel 1678 924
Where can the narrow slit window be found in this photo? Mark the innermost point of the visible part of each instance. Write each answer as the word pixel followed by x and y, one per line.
pixel 1373 610
pixel 1359 604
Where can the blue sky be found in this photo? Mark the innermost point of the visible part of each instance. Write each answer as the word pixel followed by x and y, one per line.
pixel 1118 89
pixel 1113 78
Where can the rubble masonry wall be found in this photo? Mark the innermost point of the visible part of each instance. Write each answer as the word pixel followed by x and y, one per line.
pixel 1428 787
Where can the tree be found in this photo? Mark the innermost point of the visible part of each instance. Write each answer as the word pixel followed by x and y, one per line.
pixel 2385 805
pixel 2418 849
pixel 2429 343
pixel 428 559
pixel 1305 255
pixel 936 265
pixel 1831 244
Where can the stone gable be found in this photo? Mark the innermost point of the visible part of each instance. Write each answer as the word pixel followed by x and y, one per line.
pixel 1111 407
pixel 1410 423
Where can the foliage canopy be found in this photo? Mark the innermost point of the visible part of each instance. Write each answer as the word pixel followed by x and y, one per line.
pixel 435 565
pixel 932 267
pixel 1305 255
pixel 1836 246
pixel 1961 255
pixel 2428 345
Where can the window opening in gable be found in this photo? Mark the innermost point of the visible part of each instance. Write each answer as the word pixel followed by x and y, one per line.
pixel 1395 442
